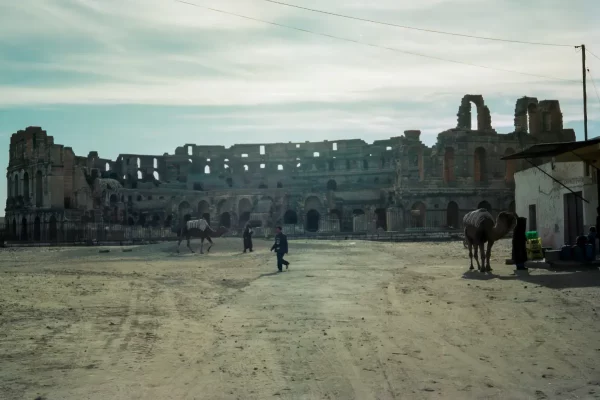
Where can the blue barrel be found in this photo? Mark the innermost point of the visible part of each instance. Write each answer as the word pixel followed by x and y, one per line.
pixel 589 252
pixel 565 253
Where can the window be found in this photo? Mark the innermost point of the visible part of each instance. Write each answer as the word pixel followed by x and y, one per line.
pixel 316 154
pixel 335 147
pixel 388 148
pixel 532 217
pixel 244 155
pixel 297 146
pixel 139 163
pixel 207 170
pixel 245 168
pixel 107 166
pixel 190 151
pixel 280 167
pixel 262 150
pixel 155 164
pixel 262 166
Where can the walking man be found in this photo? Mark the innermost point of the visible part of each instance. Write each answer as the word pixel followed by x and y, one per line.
pixel 281 248
pixel 248 238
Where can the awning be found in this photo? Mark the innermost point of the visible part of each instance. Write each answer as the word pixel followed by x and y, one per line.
pixel 565 151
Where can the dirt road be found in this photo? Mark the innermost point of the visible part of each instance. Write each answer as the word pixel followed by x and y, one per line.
pixel 350 320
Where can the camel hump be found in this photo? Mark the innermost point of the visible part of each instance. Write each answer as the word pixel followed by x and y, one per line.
pixel 476 217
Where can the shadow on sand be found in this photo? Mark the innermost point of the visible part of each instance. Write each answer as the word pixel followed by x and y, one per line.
pixel 562 278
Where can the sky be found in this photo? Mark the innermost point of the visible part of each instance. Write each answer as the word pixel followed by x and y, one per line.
pixel 146 76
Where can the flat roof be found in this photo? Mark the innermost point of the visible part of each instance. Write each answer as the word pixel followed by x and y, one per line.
pixel 582 150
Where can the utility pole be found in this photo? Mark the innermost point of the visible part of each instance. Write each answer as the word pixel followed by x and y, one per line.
pixel 583 70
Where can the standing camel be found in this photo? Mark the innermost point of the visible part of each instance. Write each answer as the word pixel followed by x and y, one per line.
pixel 480 229
pixel 198 228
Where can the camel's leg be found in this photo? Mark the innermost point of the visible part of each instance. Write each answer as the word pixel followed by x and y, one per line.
pixel 179 239
pixel 488 253
pixel 188 244
pixel 211 244
pixel 201 245
pixel 477 256
pixel 481 249
pixel 471 254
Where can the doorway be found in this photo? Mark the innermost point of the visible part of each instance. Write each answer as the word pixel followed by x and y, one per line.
pixel 573 217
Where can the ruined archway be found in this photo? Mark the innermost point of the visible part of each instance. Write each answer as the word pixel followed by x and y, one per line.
pixel 24 235
pixel 37 229
pixel 449 164
pixel 290 217
pixel 469 119
pixel 331 185
pixel 225 220
pixel 417 212
pixel 26 187
pixel 381 221
pixel 480 165
pixel 452 215
pixel 485 204
pixel 510 167
pixel 52 229
pixel 312 220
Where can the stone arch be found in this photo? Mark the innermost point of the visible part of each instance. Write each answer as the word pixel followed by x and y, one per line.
pixel 480 165
pixel 418 211
pixel 465 119
pixel 168 221
pixel 204 210
pixel 510 167
pixel 533 119
pixel 332 185
pixel 52 229
pixel 485 204
pixel 312 220
pixel 24 235
pixel 526 115
pixel 26 186
pixel 37 229
pixel 184 208
pixel 452 218
pixel 290 217
pixel 449 164
pixel 312 202
pixel 381 220
pixel 244 210
pixel 225 220
pixel 335 214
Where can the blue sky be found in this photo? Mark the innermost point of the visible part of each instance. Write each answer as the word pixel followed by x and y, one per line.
pixel 145 76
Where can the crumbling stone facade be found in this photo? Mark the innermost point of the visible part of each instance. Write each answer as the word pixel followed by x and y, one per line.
pixel 395 184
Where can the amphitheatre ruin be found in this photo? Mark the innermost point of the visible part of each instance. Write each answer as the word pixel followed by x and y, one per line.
pixel 395 185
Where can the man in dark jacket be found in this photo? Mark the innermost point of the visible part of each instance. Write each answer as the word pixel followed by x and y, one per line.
pixel 281 247
pixel 248 238
pixel 519 244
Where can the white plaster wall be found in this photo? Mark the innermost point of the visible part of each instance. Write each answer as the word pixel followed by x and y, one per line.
pixel 533 187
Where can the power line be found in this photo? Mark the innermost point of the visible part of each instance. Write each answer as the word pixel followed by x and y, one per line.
pixel 416 29
pixel 594 83
pixel 374 45
pixel 588 51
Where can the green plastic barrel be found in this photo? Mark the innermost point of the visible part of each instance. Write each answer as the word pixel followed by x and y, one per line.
pixel 531 235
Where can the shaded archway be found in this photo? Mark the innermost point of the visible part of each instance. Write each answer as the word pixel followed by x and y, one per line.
pixel 24 235
pixel 225 220
pixel 331 184
pixel 52 229
pixel 486 205
pixel 114 199
pixel 244 209
pixel 26 187
pixel 155 220
pixel 37 229
pixel 16 185
pixel 510 167
pixel 312 220
pixel 480 165
pixel 449 164
pixel 290 217
pixel 184 208
pixel 168 221
pixel 452 215
pixel 417 212
pixel 381 221
pixel 203 208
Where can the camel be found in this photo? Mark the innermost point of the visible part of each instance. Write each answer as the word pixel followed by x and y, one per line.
pixel 480 229
pixel 198 229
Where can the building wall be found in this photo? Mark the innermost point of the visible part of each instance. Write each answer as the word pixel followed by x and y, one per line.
pixel 535 188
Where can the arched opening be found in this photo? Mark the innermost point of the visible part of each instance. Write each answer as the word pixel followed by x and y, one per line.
pixel 139 175
pixel 365 164
pixel 312 220
pixel 511 167
pixel 26 186
pixel 449 164
pixel 24 235
pixel 168 221
pixel 348 164
pixel 357 212
pixel 139 163
pixel 229 182
pixel 225 220
pixel 331 185
pixel 107 167
pixel 480 165
pixel 156 175
pixel 114 199
pixel 452 215
pixel 37 229
pixel 279 185
pixel 52 229
pixel 331 165
pixel 486 205
pixel 511 207
pixel 141 220
pixel 532 119
pixel 418 214
pixel 16 185
pixel 290 217
pixel 207 170
pixel 244 209
pixel 184 208
pixel 474 121
pixel 280 167
pixel 204 209
pixel 155 163
pixel 381 221
pixel 246 168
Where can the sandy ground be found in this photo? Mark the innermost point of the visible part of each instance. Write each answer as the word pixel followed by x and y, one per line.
pixel 349 320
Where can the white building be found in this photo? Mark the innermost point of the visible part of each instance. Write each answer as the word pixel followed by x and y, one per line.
pixel 558 214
